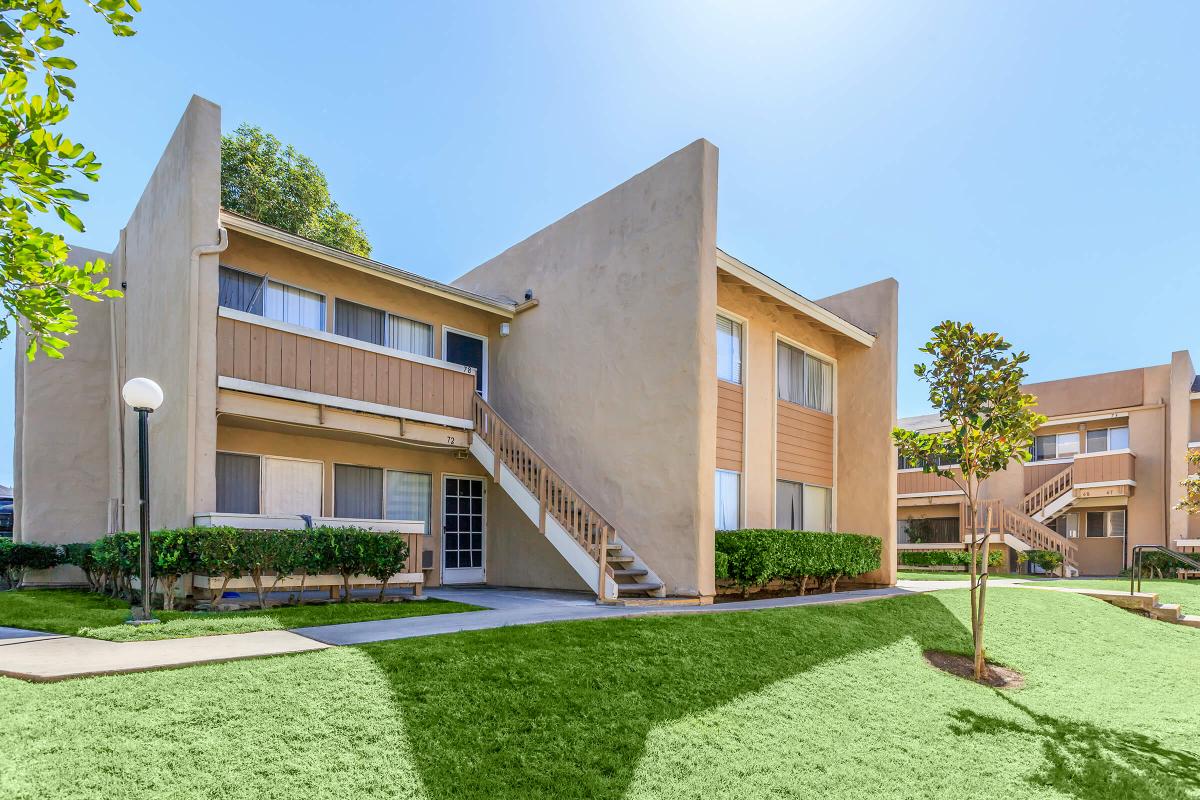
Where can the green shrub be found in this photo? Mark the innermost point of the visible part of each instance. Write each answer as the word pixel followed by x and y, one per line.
pixel 755 557
pixel 1048 560
pixel 947 558
pixel 79 554
pixel 1157 564
pixel 386 555
pixel 219 553
pixel 17 558
pixel 721 565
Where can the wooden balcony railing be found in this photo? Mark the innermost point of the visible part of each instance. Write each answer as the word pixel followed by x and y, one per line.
pixel 253 349
pixel 917 482
pixel 1102 468
pixel 1005 520
pixel 1048 492
pixel 556 497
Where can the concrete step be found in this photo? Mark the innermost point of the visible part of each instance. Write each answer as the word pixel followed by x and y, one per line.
pixel 621 558
pixel 1168 612
pixel 628 588
pixel 1191 620
pixel 630 573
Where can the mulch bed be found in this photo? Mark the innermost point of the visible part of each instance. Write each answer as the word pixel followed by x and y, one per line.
pixel 997 677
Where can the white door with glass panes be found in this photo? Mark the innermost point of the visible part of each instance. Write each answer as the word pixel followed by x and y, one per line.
pixel 462 530
pixel 291 487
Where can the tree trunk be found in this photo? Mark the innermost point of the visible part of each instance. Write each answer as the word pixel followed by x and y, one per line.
pixel 382 589
pixel 168 590
pixel 346 583
pixel 256 576
pixel 300 597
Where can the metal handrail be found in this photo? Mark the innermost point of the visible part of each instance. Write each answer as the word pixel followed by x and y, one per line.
pixel 1137 562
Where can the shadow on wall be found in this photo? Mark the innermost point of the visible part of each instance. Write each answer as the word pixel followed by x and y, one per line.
pixel 1087 761
pixel 548 710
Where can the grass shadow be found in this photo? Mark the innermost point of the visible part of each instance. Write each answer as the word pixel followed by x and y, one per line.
pixel 564 710
pixel 1088 761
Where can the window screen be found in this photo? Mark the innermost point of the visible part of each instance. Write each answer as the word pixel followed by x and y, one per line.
pixel 237 483
pixel 357 492
pixel 240 290
pixel 409 496
pixel 359 322
pixel 729 350
pixel 728 496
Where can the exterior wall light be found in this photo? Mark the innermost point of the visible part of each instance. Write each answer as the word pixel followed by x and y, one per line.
pixel 505 329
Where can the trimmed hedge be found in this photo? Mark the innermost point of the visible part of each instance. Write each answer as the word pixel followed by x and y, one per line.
pixel 1048 560
pixel 111 562
pixel 754 557
pixel 947 558
pixel 721 565
pixel 17 558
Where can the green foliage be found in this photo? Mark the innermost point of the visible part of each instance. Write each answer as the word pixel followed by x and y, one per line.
pixel 17 558
pixel 755 557
pixel 721 565
pixel 1190 502
pixel 1047 560
pixel 946 558
pixel 36 164
pixel 279 186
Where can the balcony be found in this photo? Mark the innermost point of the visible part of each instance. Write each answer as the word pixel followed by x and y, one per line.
pixel 1050 489
pixel 915 483
pixel 265 357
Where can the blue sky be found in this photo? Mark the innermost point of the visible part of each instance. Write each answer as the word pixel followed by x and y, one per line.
pixel 1031 167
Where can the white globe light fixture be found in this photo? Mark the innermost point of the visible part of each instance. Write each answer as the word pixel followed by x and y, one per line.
pixel 144 396
pixel 139 393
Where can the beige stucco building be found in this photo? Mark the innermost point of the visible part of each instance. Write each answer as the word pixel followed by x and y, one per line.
pixel 580 412
pixel 1104 476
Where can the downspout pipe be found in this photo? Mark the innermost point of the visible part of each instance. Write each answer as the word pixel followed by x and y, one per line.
pixel 193 353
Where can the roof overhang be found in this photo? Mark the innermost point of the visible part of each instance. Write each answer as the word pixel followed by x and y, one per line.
pixel 798 302
pixel 267 233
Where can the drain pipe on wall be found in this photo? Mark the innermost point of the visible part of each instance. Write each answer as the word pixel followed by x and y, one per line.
pixel 193 347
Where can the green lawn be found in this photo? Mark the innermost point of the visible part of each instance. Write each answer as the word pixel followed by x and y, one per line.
pixel 83 614
pixel 918 575
pixel 832 701
pixel 1186 593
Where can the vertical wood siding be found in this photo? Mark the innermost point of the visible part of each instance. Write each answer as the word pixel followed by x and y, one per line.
pixel 730 426
pixel 257 353
pixel 803 444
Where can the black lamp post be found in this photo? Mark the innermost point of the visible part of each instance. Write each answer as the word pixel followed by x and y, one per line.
pixel 144 396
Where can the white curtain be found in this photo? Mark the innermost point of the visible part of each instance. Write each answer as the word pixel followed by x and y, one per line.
pixel 729 350
pixel 787 505
pixel 817 508
pixel 410 336
pixel 409 496
pixel 296 306
pixel 357 492
pixel 804 379
pixel 728 495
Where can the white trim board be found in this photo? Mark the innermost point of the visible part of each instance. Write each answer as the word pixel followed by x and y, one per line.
pixel 930 494
pixel 325 336
pixel 1095 484
pixel 333 401
pixel 1098 453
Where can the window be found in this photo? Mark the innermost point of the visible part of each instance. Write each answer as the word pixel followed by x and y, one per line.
pixel 241 291
pixel 729 350
pixel 409 496
pixel 1102 524
pixel 258 294
pixel 939 530
pixel 295 306
pixel 804 379
pixel 357 492
pixel 803 507
pixel 728 498
pixel 237 483
pixel 941 461
pixel 1055 445
pixel 1106 439
pixel 1067 525
pixel 386 330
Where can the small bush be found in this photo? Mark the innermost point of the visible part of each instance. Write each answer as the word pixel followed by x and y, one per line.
pixel 1047 560
pixel 947 558
pixel 755 557
pixel 79 554
pixel 17 558
pixel 721 565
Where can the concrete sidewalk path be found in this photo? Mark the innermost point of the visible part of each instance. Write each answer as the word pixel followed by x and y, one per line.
pixel 508 607
pixel 52 658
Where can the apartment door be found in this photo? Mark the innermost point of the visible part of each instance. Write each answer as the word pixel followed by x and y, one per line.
pixel 460 347
pixel 291 487
pixel 462 529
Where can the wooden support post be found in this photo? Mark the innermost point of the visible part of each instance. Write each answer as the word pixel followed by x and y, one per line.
pixel 542 500
pixel 496 453
pixel 602 562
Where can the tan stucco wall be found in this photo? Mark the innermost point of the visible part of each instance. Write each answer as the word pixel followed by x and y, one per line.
pixel 170 319
pixel 611 376
pixel 61 450
pixel 1180 422
pixel 866 412
pixel 334 281
pixel 1088 393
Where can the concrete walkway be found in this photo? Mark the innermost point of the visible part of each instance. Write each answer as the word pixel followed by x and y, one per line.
pixel 47 657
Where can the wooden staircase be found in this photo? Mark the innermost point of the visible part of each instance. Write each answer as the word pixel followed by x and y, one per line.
pixel 588 542
pixel 1007 521
pixel 1037 502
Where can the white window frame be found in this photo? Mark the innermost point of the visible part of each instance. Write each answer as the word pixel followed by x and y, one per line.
pixel 779 337
pixel 1058 456
pixel 1107 512
pixel 446 330
pixel 259 456
pixel 268 280
pixel 740 499
pixel 387 330
pixel 432 479
pixel 1108 448
pixel 743 325
pixel 803 485
pixel 833 394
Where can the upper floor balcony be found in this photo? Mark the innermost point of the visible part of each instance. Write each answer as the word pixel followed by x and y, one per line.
pixel 1052 488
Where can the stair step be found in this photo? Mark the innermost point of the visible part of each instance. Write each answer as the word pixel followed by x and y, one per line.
pixel 630 573
pixel 1191 620
pixel 1167 611
pixel 615 546
pixel 626 588
pixel 620 558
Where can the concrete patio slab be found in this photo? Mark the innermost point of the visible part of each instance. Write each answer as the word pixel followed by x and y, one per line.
pixel 53 658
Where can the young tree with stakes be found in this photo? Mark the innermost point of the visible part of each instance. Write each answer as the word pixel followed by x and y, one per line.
pixel 975 386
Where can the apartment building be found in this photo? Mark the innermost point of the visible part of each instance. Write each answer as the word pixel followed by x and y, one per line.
pixel 1103 478
pixel 580 412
